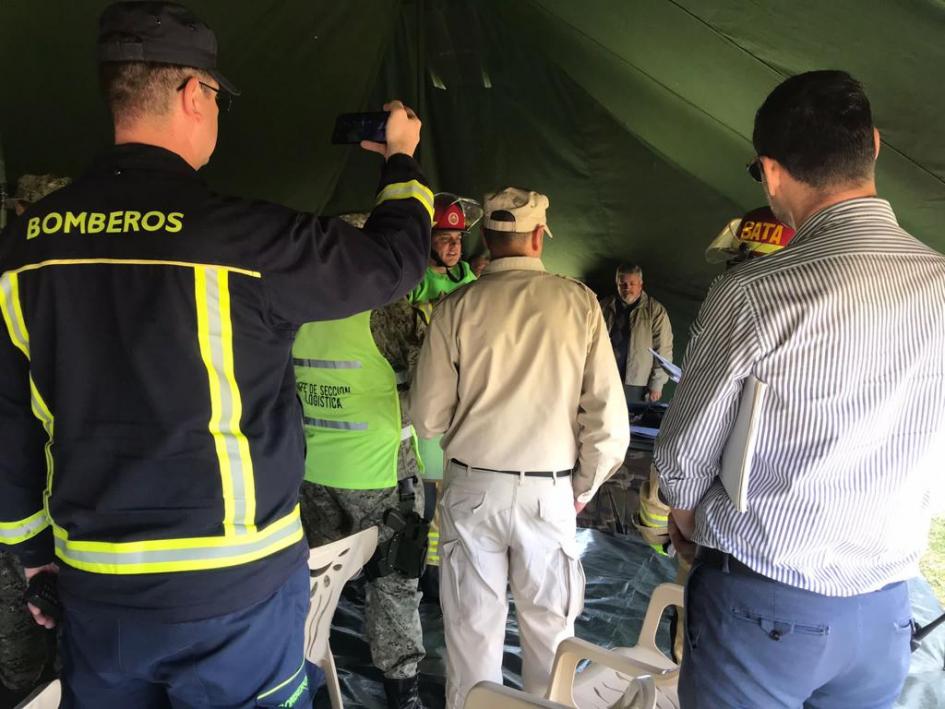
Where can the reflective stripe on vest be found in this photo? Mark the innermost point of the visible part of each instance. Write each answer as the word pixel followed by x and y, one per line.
pixel 215 335
pixel 350 405
pixel 21 530
pixel 408 190
pixel 241 542
pixel 12 312
pixel 192 554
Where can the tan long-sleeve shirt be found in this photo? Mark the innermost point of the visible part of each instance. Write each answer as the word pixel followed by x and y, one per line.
pixel 518 372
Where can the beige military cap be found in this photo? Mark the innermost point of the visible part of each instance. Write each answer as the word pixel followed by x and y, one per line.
pixel 514 209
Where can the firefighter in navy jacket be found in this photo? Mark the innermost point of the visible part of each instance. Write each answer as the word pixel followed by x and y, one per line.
pixel 150 430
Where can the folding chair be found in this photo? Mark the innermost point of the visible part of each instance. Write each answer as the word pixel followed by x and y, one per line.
pixel 331 567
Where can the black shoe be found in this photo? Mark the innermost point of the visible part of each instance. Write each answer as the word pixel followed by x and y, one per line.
pixel 403 693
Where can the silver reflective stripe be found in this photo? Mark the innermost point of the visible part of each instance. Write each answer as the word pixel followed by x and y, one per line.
pixel 218 369
pixel 406 433
pixel 340 425
pixel 10 288
pixel 166 555
pixel 29 528
pixel 327 363
pixel 400 376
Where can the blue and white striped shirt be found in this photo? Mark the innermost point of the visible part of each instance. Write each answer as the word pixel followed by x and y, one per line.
pixel 846 325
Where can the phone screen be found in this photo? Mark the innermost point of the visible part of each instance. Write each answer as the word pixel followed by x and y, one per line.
pixel 352 128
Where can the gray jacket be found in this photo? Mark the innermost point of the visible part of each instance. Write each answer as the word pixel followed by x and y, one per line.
pixel 649 328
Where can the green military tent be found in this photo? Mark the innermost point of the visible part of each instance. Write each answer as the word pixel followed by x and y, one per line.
pixel 634 116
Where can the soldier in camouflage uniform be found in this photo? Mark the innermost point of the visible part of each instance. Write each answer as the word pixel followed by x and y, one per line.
pixel 24 645
pixel 392 622
pixel 32 188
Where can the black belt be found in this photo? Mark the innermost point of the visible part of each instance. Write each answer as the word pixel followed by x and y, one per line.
pixel 526 473
pixel 715 559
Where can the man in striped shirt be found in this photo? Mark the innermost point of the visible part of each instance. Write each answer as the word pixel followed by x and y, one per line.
pixel 801 599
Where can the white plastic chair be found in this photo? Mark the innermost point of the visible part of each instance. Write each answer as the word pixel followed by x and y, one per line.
pixel 608 682
pixel 489 695
pixel 640 694
pixel 46 698
pixel 331 566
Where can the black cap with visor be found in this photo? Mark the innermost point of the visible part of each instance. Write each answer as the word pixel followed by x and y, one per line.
pixel 163 32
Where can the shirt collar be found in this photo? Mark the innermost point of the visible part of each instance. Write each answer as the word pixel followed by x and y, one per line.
pixel 869 209
pixel 137 156
pixel 514 263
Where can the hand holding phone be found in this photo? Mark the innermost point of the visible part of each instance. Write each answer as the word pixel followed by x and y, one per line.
pixel 402 132
pixel 352 128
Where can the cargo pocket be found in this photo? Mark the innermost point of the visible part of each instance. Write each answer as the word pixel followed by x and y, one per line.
pixel 459 510
pixel 575 575
pixel 451 573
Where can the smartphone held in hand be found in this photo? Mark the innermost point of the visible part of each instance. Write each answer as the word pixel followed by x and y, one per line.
pixel 352 128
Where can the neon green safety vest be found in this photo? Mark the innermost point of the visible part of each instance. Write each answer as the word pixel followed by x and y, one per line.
pixel 435 285
pixel 350 406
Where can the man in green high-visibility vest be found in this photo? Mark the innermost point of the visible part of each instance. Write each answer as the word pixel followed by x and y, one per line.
pixel 453 217
pixel 362 466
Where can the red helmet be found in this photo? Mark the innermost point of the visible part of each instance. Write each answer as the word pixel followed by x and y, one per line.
pixel 453 213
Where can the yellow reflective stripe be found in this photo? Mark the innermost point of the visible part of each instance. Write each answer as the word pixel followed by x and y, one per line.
pixel 23 529
pixel 134 262
pixel 408 190
pixel 433 547
pixel 653 520
pixel 215 337
pixel 13 313
pixel 42 412
pixel 172 555
pixel 19 334
pixel 203 338
pixel 248 482
pixel 282 684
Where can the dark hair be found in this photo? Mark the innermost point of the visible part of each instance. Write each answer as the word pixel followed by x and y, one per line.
pixel 819 126
pixel 135 89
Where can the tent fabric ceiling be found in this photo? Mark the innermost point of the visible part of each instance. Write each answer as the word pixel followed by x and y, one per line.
pixel 634 117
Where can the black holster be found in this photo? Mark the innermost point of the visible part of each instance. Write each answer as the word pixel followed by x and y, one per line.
pixel 406 551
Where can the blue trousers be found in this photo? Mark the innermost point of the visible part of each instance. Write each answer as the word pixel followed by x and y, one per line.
pixel 251 658
pixel 754 642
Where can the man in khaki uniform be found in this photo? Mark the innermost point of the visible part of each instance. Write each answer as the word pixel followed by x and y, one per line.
pixel 518 373
pixel 638 323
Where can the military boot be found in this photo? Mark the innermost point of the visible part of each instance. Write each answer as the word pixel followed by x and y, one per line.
pixel 403 693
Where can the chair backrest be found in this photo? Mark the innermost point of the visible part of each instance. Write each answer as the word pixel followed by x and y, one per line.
pixel 46 698
pixel 331 566
pixel 664 595
pixel 489 695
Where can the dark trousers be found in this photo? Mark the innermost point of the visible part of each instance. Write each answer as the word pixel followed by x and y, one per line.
pixel 251 658
pixel 754 642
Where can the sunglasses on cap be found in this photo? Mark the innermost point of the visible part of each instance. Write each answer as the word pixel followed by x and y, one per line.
pixel 755 170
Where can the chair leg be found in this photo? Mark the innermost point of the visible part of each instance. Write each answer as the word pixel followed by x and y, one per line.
pixel 331 680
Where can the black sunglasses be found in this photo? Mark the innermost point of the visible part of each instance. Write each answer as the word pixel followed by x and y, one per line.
pixel 224 98
pixel 755 170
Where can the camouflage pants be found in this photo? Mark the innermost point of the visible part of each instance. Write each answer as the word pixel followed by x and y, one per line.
pixel 392 619
pixel 22 642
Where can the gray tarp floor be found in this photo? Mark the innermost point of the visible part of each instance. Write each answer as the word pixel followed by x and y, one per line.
pixel 621 573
